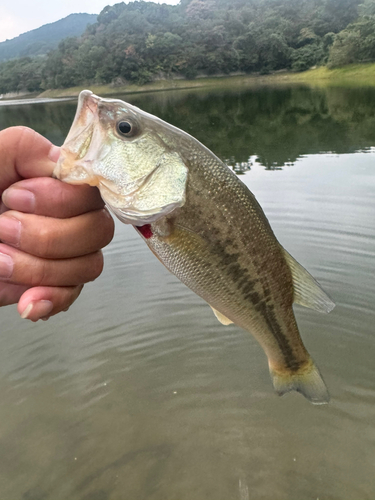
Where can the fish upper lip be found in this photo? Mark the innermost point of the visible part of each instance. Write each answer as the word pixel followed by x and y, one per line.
pixel 83 127
pixel 92 99
pixel 93 111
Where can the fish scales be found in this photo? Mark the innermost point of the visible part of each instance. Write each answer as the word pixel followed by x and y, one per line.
pixel 236 272
pixel 202 223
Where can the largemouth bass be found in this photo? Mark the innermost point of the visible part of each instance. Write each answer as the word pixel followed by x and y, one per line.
pixel 202 223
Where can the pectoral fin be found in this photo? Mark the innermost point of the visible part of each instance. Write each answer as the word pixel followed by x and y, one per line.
pixel 223 319
pixel 307 291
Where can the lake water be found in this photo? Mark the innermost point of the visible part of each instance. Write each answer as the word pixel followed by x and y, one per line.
pixel 138 392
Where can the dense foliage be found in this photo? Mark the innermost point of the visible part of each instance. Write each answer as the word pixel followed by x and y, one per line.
pixel 142 41
pixel 356 43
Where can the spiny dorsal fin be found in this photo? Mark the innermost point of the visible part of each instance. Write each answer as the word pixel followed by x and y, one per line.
pixel 223 319
pixel 307 291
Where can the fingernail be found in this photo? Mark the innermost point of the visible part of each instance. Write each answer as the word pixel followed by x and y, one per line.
pixel 10 230
pixel 19 199
pixel 6 266
pixel 37 310
pixel 27 311
pixel 54 153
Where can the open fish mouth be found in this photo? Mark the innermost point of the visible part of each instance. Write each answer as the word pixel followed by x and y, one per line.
pixel 80 151
pixel 138 188
pixel 74 165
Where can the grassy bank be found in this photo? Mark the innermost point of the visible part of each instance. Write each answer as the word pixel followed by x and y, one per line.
pixel 222 82
pixel 352 75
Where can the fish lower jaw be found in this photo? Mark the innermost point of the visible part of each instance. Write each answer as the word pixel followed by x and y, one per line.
pixel 69 171
pixel 133 218
pixel 91 181
pixel 131 215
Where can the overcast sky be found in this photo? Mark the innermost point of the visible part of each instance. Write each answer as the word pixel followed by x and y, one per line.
pixel 18 16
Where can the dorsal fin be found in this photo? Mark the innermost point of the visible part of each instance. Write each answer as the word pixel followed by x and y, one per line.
pixel 223 319
pixel 307 291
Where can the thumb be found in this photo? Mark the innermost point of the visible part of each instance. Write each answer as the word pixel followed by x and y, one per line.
pixel 24 154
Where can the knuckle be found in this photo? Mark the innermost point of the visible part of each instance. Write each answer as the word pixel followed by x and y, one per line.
pixel 75 294
pixel 69 295
pixel 90 196
pixel 55 198
pixel 108 227
pixel 96 265
pixel 27 137
pixel 44 247
pixel 39 272
pixel 64 196
pixel 47 184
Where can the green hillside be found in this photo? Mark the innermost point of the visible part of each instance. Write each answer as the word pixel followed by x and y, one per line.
pixel 141 42
pixel 45 38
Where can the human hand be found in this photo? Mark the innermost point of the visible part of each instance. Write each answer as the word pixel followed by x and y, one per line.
pixel 51 233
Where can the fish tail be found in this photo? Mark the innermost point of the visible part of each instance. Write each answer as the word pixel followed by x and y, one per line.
pixel 307 380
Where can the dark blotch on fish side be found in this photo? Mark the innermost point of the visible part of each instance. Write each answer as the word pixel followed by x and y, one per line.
pixel 268 313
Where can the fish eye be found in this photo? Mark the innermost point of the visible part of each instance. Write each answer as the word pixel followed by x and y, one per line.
pixel 124 128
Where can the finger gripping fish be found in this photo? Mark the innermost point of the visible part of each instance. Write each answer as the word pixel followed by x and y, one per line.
pixel 202 223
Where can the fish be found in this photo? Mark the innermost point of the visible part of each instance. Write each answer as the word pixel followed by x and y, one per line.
pixel 203 224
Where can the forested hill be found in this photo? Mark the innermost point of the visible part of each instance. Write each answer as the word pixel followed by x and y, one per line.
pixel 45 38
pixel 142 41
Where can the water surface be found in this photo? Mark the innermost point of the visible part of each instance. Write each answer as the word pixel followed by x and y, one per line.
pixel 139 393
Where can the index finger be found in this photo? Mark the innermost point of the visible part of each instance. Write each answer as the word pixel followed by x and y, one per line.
pixel 52 198
pixel 24 154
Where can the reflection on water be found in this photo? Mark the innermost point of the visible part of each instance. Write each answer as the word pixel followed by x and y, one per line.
pixel 276 126
pixel 34 100
pixel 138 392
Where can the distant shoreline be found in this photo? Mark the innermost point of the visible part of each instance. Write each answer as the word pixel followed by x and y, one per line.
pixel 171 84
pixel 347 76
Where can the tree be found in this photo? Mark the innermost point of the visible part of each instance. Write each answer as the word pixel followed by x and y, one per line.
pixel 141 41
pixel 356 43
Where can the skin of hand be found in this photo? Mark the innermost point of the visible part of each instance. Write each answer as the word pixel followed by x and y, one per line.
pixel 51 233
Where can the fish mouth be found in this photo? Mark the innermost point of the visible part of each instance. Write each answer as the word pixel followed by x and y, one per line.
pixel 73 166
pixel 80 151
pixel 84 156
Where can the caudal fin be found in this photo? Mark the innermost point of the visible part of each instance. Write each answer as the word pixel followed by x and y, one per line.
pixel 307 381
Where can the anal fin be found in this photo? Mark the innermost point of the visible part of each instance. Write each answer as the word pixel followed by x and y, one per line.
pixel 307 291
pixel 223 319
